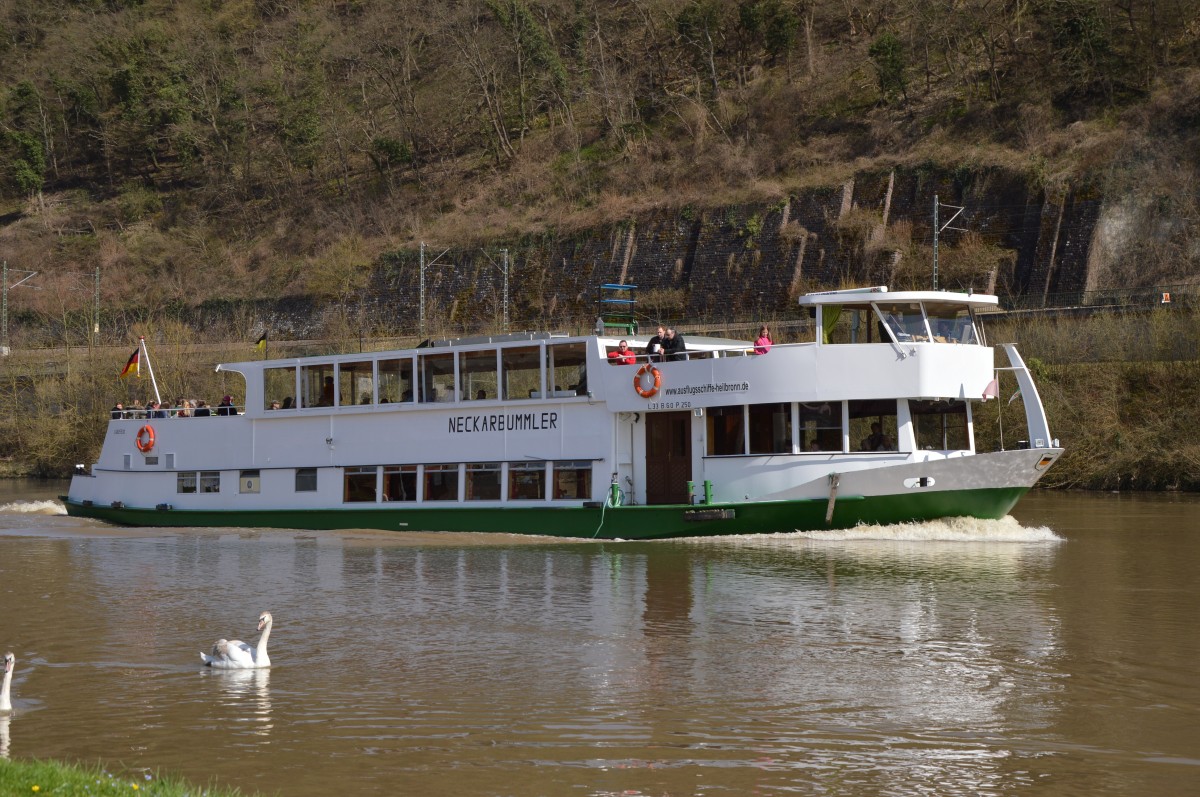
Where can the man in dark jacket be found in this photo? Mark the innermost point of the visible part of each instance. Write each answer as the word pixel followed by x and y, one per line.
pixel 226 406
pixel 674 346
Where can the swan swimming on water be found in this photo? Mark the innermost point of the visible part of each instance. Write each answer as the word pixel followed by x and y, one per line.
pixel 10 663
pixel 235 654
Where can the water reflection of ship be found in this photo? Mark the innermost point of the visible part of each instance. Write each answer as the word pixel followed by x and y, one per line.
pixel 248 695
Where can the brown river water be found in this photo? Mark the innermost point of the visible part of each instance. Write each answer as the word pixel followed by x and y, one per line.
pixel 1052 653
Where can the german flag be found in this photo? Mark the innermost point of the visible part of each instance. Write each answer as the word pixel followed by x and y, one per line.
pixel 132 367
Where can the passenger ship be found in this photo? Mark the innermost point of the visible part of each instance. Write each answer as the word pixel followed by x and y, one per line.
pixel 869 421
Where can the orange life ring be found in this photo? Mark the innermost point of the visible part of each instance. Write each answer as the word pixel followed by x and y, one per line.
pixel 643 391
pixel 145 439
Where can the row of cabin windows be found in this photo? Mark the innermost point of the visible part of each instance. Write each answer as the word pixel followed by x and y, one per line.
pixel 785 428
pixel 481 481
pixel 518 372
pixel 902 322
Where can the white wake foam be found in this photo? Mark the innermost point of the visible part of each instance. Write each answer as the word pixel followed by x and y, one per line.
pixel 33 508
pixel 959 529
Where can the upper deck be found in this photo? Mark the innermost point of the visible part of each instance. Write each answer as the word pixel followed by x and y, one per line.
pixel 863 344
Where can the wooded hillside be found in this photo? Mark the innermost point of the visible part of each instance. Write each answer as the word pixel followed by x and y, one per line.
pixel 195 149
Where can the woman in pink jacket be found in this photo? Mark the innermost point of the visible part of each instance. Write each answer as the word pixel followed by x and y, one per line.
pixel 763 344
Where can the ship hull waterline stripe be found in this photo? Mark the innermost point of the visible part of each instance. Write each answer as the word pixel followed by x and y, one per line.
pixel 624 522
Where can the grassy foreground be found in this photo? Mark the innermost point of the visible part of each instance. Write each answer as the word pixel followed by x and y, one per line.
pixel 77 780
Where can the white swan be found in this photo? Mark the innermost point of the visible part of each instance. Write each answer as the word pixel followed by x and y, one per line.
pixel 10 663
pixel 235 654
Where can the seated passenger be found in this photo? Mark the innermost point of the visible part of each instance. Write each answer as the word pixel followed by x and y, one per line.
pixel 287 403
pixel 623 355
pixel 274 405
pixel 118 411
pixel 226 407
pixel 877 440
pixel 202 410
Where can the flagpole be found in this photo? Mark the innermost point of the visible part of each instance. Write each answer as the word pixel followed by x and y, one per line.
pixel 150 368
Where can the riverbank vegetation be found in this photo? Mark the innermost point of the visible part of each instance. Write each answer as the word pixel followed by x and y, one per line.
pixel 37 778
pixel 217 149
pixel 1118 389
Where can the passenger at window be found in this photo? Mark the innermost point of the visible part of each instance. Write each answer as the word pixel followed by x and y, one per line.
pixel 274 405
pixel 118 411
pixel 327 392
pixel 481 394
pixel 202 410
pixel 763 344
pixel 287 403
pixel 877 440
pixel 623 355
pixel 226 407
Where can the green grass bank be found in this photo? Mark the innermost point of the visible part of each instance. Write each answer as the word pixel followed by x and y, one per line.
pixel 38 778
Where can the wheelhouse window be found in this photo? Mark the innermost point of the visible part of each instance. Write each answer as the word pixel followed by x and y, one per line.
pixel 306 480
pixel 400 483
pixel 437 377
pixel 210 481
pixel 873 425
pixel 477 370
pixel 951 323
pixel 185 482
pixel 356 383
pixel 317 388
pixel 395 380
pixel 483 481
pixel 526 481
pixel 441 482
pixel 726 430
pixel 821 426
pixel 521 370
pixel 359 485
pixel 279 384
pixel 770 428
pixel 940 425
pixel 573 480
pixel 905 321
pixel 566 369
pixel 841 324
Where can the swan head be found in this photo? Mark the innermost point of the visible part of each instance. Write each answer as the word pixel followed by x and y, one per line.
pixel 264 620
pixel 9 661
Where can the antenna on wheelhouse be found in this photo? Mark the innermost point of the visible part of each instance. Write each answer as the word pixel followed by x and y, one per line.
pixel 149 367
pixel 937 230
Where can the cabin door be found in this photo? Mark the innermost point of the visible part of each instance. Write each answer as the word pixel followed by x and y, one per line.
pixel 668 457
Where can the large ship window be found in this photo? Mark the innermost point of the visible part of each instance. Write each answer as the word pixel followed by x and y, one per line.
pixel 306 480
pixel 210 481
pixel 573 480
pixel 526 481
pixel 249 481
pixel 566 370
pixel 441 482
pixel 483 481
pixel 356 383
pixel 521 370
pixel 821 426
pixel 395 380
pixel 316 385
pixel 940 425
pixel 279 384
pixel 951 323
pixel 873 425
pixel 477 371
pixel 437 377
pixel 359 485
pixel 726 430
pixel 770 428
pixel 399 482
pixel 905 320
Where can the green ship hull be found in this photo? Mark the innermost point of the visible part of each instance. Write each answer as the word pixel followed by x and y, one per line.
pixel 592 522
